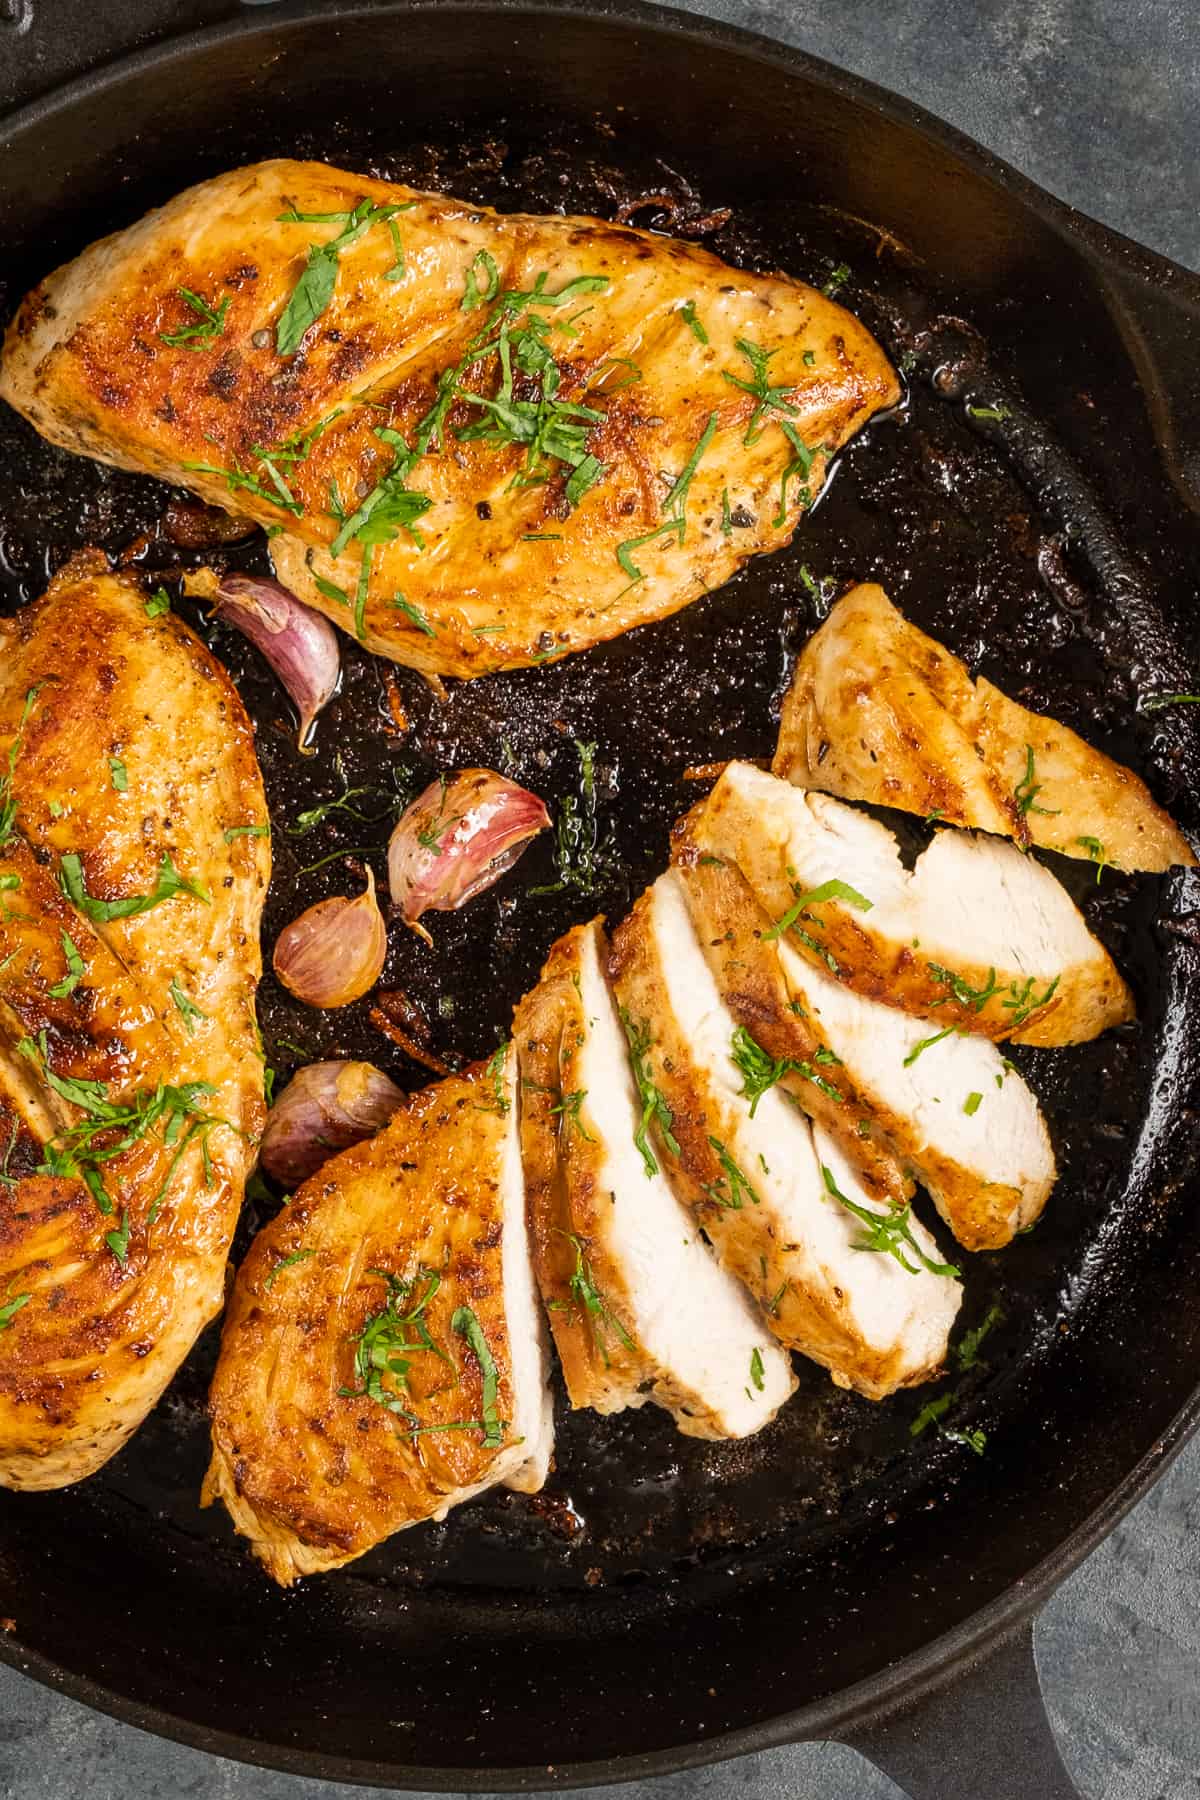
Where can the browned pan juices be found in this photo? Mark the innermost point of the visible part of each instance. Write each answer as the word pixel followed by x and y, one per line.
pixel 924 502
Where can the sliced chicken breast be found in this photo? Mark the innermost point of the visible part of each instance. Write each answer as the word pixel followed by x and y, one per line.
pixel 384 1357
pixel 977 935
pixel 639 1308
pixel 778 1198
pixel 957 1116
pixel 878 711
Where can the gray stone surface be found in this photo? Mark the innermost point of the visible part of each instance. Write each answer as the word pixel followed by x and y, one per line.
pixel 1096 99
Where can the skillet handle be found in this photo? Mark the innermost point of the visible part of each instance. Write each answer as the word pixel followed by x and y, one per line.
pixel 984 1736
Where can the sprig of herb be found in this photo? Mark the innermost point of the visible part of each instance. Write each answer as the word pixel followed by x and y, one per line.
pixel 796 469
pixel 316 815
pixel 576 837
pixel 655 1110
pixel 761 1071
pixel 390 1337
pixel 889 1233
pixel 237 481
pixel 168 883
pixel 210 323
pixel 931 1414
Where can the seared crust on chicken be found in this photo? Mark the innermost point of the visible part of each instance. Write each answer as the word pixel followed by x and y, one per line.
pixel 946 1105
pixel 497 571
pixel 769 1190
pixel 383 1354
pixel 976 936
pixel 131 1088
pixel 878 711
pixel 639 1309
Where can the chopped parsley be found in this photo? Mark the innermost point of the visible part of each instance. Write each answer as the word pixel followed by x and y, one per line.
pixel 966 1351
pixel 1023 1001
pixel 757 1375
pixel 118 774
pixel 413 613
pixel 76 969
pixel 8 803
pixel 187 1009
pixel 11 1308
pixel 655 1110
pixel 828 890
pixel 838 277
pixel 931 1414
pixel 889 1233
pixel 586 1296
pixel 475 295
pixel 568 1109
pixel 674 506
pixel 158 604
pixel 464 1322
pixel 287 1262
pixel 768 400
pixel 494 1072
pixel 989 412
pixel 688 314
pixel 927 1044
pixel 731 1188
pixel 388 1341
pixel 760 1071
pixel 208 323
pixel 232 832
pixel 1028 788
pixel 1097 852
pixel 963 992
pixel 972 1103
pixel 238 481
pixel 314 290
pixel 168 883
pixel 797 469
pixel 118 1240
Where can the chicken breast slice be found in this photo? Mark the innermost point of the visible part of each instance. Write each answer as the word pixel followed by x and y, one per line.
pixel 957 1116
pixel 384 1357
pixel 777 1196
pixel 977 935
pixel 878 711
pixel 639 1308
pixel 339 437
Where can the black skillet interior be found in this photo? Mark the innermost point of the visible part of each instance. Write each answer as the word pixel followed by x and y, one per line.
pixel 663 1594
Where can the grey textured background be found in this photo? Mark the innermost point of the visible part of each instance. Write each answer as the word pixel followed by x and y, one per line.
pixel 1097 100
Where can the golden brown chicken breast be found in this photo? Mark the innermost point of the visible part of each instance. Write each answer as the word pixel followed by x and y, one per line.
pixel 485 440
pixel 878 711
pixel 133 865
pixel 383 1356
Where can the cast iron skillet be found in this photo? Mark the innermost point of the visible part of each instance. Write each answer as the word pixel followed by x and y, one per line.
pixel 669 1603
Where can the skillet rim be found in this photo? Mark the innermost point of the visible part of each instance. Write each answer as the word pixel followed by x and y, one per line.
pixel 928 1671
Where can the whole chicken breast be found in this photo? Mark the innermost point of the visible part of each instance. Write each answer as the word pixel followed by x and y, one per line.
pixel 383 1357
pixel 133 865
pixel 976 935
pixel 485 440
pixel 879 711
